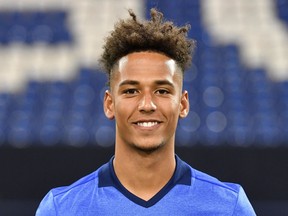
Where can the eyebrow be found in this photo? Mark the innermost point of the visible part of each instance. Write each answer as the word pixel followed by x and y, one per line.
pixel 157 82
pixel 164 82
pixel 129 82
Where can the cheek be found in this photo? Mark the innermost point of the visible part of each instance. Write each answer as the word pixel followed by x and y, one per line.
pixel 174 102
pixel 171 108
pixel 123 110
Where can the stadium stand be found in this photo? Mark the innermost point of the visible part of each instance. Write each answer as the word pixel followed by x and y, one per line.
pixel 51 88
pixel 235 99
pixel 227 78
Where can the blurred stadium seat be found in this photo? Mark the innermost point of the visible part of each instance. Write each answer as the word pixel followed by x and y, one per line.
pixel 51 88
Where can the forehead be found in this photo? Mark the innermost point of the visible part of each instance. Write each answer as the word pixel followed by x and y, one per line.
pixel 145 66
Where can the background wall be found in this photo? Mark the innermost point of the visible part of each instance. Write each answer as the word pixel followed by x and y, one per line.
pixel 52 127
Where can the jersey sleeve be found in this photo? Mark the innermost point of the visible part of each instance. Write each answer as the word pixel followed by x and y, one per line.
pixel 47 206
pixel 243 206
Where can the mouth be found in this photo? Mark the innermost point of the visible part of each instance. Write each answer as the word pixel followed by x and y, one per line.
pixel 147 124
pixel 150 124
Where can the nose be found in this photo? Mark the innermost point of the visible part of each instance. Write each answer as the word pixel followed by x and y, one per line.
pixel 146 103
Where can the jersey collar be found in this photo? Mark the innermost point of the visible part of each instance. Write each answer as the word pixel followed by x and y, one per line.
pixel 182 175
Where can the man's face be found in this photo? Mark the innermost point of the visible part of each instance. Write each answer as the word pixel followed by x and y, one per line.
pixel 146 100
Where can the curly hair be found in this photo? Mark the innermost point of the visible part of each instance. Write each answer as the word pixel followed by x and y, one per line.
pixel 155 35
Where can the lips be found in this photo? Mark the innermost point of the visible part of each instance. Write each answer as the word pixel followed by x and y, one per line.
pixel 147 123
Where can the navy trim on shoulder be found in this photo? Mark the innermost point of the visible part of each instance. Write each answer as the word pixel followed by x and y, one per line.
pixel 182 175
pixel 105 178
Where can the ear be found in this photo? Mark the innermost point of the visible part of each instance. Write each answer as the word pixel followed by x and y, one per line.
pixel 108 105
pixel 184 105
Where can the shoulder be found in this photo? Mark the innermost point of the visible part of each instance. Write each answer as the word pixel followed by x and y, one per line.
pixel 220 195
pixel 61 198
pixel 208 180
pixel 202 185
pixel 201 181
pixel 67 199
pixel 81 185
pixel 85 182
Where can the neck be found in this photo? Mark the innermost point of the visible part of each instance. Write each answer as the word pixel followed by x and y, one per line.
pixel 144 174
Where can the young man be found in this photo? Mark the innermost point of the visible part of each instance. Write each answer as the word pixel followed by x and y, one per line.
pixel 145 62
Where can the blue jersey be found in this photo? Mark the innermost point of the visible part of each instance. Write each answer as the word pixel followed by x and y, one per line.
pixel 188 192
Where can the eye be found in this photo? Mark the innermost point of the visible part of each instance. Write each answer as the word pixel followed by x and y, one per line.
pixel 162 91
pixel 130 91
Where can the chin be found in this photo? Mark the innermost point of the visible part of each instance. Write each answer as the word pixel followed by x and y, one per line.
pixel 148 149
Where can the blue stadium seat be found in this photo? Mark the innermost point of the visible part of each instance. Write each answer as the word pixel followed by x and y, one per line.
pixel 282 9
pixel 34 26
pixel 230 103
